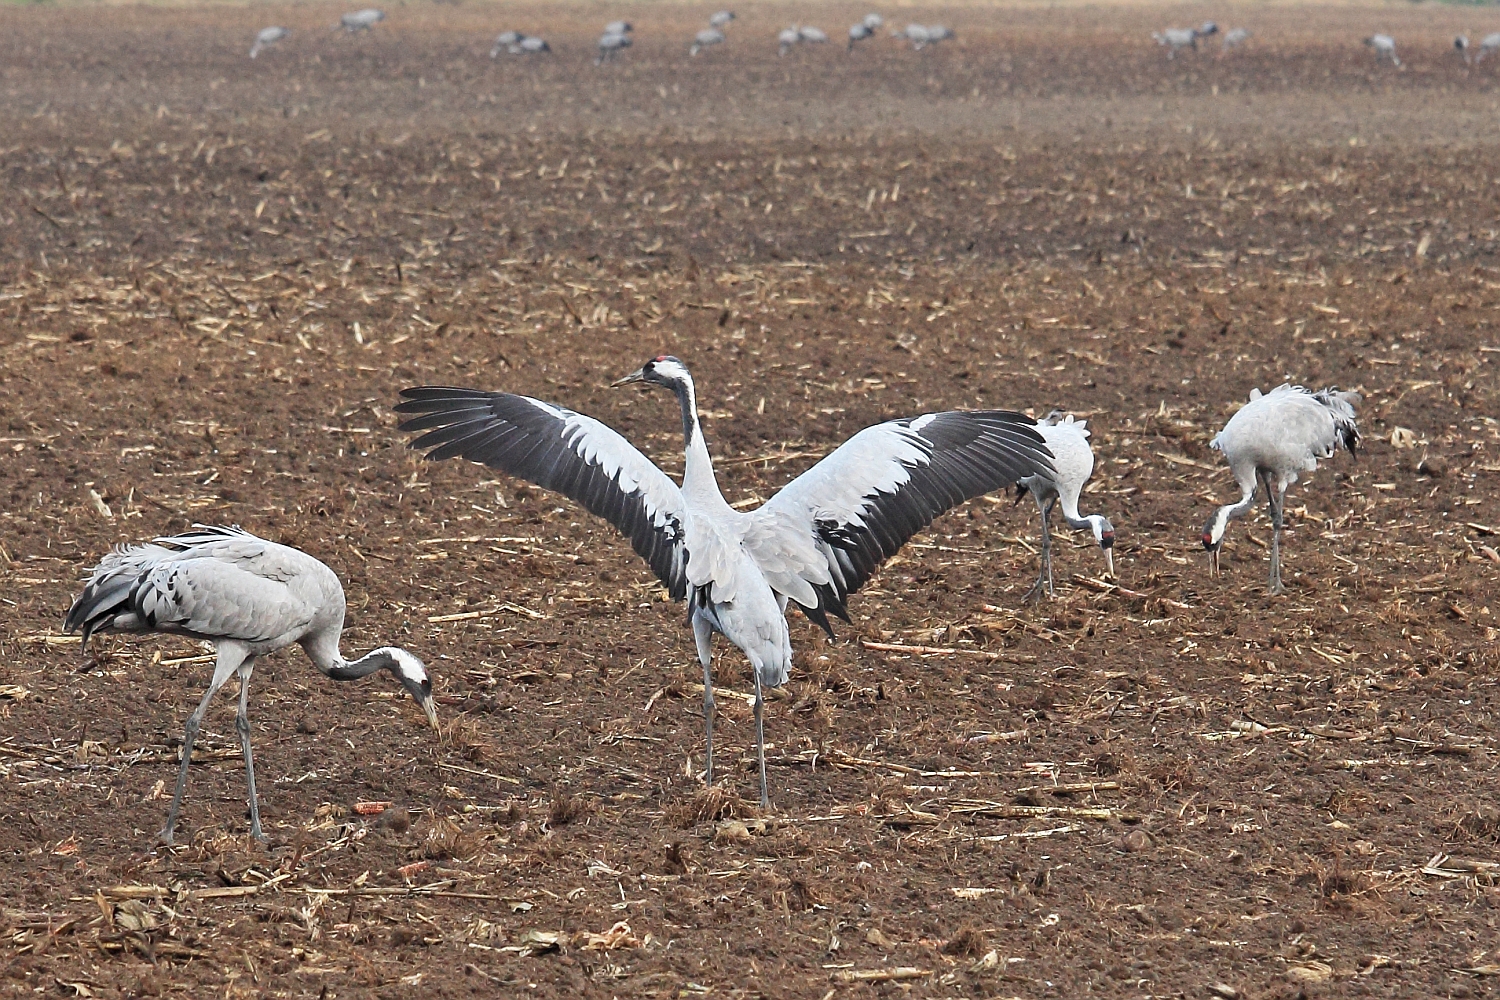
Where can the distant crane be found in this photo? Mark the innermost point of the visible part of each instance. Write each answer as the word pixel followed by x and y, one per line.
pixel 721 19
pixel 1073 462
pixel 247 596
pixel 813 544
pixel 518 44
pixel 787 39
pixel 1488 46
pixel 1176 39
pixel 858 33
pixel 1234 38
pixel 812 36
pixel 914 33
pixel 705 38
pixel 1269 442
pixel 361 20
pixel 267 37
pixel 618 28
pixel 1384 47
pixel 610 46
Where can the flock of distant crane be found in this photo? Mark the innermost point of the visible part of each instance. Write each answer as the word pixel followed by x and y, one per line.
pixel 813 544
pixel 618 35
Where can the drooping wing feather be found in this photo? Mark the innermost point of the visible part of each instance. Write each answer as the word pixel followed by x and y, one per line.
pixel 824 534
pixel 209 583
pixel 560 450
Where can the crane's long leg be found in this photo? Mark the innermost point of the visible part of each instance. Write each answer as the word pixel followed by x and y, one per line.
pixel 231 655
pixel 703 635
pixel 242 726
pixel 1278 506
pixel 760 739
pixel 1043 583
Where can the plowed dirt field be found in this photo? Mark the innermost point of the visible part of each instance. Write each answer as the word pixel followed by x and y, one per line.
pixel 217 274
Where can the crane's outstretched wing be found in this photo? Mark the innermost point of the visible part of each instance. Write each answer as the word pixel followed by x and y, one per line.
pixel 823 535
pixel 560 450
pixel 209 583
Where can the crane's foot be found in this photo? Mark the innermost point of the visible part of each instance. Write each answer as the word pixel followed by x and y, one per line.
pixel 1038 591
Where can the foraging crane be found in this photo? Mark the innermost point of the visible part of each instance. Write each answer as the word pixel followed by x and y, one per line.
pixel 874 22
pixel 813 544
pixel 705 38
pixel 858 33
pixel 510 41
pixel 247 596
pixel 937 33
pixel 1487 47
pixel 1234 38
pixel 811 35
pixel 1073 460
pixel 721 19
pixel 786 39
pixel 361 20
pixel 618 28
pixel 914 33
pixel 1176 39
pixel 1384 47
pixel 267 37
pixel 1268 442
pixel 530 45
pixel 610 45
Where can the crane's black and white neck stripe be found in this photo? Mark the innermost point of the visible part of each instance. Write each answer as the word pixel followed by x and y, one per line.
pixel 670 373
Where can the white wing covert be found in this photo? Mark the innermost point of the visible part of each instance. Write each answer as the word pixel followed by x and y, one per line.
pixel 823 535
pixel 560 450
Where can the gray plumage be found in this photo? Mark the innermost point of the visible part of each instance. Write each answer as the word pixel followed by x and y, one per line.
pixel 787 39
pixel 1234 38
pixel 267 37
pixel 914 33
pixel 1268 443
pixel 811 35
pixel 247 596
pixel 1384 47
pixel 1176 39
pixel 361 20
pixel 873 21
pixel 705 38
pixel 1073 463
pixel 858 33
pixel 721 19
pixel 813 544
pixel 610 45
pixel 1488 46
pixel 618 28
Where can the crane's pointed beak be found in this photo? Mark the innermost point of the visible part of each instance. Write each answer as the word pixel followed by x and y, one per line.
pixel 1213 561
pixel 1109 562
pixel 429 709
pixel 636 376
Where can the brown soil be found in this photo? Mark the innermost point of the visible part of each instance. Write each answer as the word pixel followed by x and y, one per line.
pixel 217 275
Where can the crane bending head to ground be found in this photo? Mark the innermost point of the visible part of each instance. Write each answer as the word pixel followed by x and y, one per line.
pixel 247 596
pixel 813 544
pixel 1073 462
pixel 1384 47
pixel 1269 442
pixel 267 37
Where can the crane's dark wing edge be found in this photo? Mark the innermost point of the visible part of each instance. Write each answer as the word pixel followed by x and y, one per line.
pixel 558 449
pixel 886 483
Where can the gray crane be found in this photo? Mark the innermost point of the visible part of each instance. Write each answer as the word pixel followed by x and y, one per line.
pixel 721 19
pixel 788 38
pixel 858 33
pixel 811 35
pixel 267 37
pixel 518 44
pixel 813 544
pixel 1384 47
pixel 1176 39
pixel 361 20
pixel 1269 442
pixel 247 596
pixel 619 28
pixel 610 45
pixel 1234 38
pixel 1487 47
pixel 1073 462
pixel 705 38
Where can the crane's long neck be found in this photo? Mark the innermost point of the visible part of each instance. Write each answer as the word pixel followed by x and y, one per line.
pixel 1230 512
pixel 324 652
pixel 698 478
